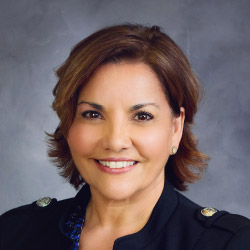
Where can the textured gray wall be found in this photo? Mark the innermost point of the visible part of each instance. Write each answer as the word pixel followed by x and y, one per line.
pixel 36 36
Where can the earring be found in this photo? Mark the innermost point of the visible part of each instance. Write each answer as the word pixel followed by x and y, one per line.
pixel 174 150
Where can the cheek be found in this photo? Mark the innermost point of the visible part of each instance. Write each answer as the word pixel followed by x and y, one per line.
pixel 81 139
pixel 155 143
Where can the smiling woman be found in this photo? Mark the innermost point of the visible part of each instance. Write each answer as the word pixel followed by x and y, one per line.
pixel 124 132
pixel 131 44
pixel 126 98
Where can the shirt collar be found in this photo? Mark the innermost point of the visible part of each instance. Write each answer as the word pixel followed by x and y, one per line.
pixel 76 207
pixel 161 214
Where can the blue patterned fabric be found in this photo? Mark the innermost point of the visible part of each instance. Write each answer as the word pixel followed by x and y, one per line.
pixel 74 225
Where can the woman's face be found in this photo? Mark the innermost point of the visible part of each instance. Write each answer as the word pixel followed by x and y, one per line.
pixel 123 131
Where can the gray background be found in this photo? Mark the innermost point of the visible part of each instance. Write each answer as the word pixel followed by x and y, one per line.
pixel 36 37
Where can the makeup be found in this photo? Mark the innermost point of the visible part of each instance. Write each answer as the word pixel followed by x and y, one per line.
pixel 116 166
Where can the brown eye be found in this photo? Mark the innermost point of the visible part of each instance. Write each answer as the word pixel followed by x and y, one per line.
pixel 143 116
pixel 91 114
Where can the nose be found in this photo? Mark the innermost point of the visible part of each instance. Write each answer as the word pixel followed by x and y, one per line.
pixel 116 136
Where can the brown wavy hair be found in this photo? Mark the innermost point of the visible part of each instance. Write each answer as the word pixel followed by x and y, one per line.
pixel 131 43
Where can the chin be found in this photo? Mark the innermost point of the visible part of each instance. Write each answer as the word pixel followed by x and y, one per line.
pixel 117 192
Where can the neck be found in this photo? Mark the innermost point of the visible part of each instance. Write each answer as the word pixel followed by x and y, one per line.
pixel 124 216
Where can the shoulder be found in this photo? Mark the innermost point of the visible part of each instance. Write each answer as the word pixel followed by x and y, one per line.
pixel 223 229
pixel 33 223
pixel 218 229
pixel 43 212
pixel 40 206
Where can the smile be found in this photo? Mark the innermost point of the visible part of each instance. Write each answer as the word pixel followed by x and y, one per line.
pixel 116 164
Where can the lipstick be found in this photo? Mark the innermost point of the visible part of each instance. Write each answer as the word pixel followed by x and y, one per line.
pixel 116 165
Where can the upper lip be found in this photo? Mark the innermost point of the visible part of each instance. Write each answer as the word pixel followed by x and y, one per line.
pixel 115 159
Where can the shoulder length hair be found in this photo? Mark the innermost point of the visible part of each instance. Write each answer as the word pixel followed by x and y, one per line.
pixel 131 43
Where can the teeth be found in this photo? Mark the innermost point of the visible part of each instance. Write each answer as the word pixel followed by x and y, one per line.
pixel 117 164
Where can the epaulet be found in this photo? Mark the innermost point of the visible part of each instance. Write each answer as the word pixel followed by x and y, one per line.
pixel 44 202
pixel 232 222
pixel 211 217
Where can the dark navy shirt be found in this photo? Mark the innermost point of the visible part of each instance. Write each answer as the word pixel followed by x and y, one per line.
pixel 176 223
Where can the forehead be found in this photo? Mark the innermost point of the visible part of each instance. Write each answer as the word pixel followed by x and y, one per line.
pixel 124 82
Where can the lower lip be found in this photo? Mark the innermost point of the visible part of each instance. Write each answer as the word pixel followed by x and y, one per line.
pixel 115 170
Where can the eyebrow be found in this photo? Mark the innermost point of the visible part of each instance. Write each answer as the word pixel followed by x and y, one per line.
pixel 142 105
pixel 92 104
pixel 133 108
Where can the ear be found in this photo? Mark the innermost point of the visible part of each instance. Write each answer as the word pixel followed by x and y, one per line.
pixel 178 124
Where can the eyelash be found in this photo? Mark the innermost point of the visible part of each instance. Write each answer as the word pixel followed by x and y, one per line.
pixel 86 114
pixel 148 115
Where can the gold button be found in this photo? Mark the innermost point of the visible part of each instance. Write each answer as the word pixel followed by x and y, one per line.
pixel 43 202
pixel 208 211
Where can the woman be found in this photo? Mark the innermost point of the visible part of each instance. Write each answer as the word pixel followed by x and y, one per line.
pixel 126 99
